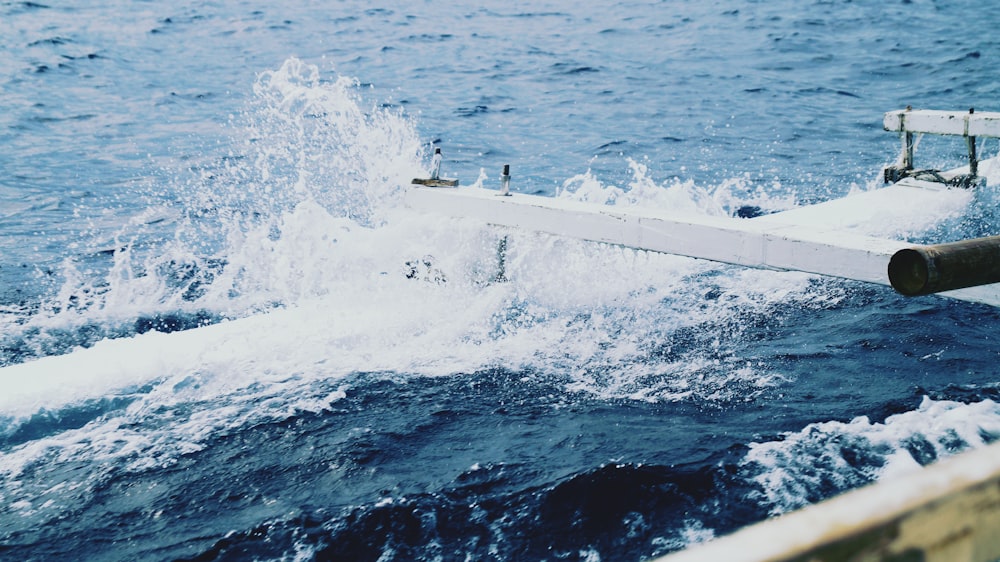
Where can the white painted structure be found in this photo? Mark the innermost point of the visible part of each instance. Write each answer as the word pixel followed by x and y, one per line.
pixel 969 125
pixel 824 239
pixel 983 124
pixel 831 238
pixel 742 242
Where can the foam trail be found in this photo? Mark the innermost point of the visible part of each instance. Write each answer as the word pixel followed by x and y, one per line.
pixel 301 223
pixel 830 457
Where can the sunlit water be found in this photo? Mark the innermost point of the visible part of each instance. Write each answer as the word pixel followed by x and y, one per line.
pixel 361 385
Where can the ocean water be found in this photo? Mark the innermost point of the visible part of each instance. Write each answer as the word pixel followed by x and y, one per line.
pixel 224 338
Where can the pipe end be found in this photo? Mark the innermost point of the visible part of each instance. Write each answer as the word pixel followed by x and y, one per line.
pixel 909 272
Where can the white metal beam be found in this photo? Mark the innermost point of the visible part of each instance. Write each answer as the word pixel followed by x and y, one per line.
pixel 813 239
pixel 980 124
pixel 743 242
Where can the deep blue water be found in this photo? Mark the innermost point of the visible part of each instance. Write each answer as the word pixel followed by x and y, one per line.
pixel 356 385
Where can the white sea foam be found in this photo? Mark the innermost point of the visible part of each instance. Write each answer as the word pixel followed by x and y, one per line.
pixel 693 532
pixel 675 195
pixel 835 456
pixel 308 159
pixel 323 276
pixel 305 219
pixel 308 223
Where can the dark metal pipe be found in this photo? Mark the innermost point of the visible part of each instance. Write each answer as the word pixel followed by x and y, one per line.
pixel 923 270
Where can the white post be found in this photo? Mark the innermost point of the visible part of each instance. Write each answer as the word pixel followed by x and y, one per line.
pixel 505 181
pixel 436 164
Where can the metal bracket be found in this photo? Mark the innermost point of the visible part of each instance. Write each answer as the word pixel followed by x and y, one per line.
pixel 935 122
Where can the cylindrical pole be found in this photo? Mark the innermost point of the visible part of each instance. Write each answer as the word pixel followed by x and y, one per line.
pixel 436 164
pixel 923 270
pixel 505 180
pixel 973 159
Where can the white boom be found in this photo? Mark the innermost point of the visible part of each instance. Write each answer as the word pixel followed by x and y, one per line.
pixel 814 239
pixel 744 242
pixel 827 239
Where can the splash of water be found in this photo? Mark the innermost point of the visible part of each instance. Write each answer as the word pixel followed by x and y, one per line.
pixel 676 196
pixel 302 209
pixel 301 216
pixel 831 457
pixel 257 230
